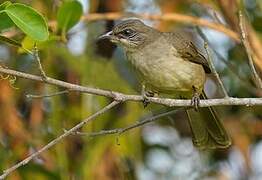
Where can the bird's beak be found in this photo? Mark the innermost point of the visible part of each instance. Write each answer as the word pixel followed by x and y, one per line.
pixel 108 35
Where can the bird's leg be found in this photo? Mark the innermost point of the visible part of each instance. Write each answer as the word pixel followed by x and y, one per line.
pixel 145 94
pixel 195 99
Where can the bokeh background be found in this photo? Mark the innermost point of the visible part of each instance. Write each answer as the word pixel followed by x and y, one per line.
pixel 160 150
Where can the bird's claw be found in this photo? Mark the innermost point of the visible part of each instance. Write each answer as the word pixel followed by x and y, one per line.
pixel 195 101
pixel 145 101
pixel 145 96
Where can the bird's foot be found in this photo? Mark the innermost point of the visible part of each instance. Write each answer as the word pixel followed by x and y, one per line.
pixel 145 96
pixel 195 102
pixel 195 99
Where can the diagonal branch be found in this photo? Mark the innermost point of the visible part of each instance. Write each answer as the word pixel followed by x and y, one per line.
pixel 255 76
pixel 37 58
pixel 58 139
pixel 135 125
pixel 211 63
pixel 213 69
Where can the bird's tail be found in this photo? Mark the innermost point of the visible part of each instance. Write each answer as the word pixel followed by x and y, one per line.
pixel 207 129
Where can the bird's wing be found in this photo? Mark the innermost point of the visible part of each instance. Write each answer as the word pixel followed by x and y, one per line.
pixel 187 50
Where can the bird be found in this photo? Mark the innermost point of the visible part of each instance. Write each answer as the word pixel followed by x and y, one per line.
pixel 167 63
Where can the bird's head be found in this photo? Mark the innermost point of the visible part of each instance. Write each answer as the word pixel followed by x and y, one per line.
pixel 130 34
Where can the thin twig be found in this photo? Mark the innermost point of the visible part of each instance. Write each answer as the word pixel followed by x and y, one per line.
pixel 37 58
pixel 58 139
pixel 211 64
pixel 230 65
pixel 47 95
pixel 213 70
pixel 126 97
pixel 135 125
pixel 255 76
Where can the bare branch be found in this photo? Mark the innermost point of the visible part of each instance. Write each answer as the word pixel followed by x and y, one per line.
pixel 255 76
pixel 126 97
pixel 58 139
pixel 37 58
pixel 209 102
pixel 48 95
pixel 135 125
pixel 213 70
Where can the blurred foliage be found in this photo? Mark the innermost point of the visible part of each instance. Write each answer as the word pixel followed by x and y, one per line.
pixel 161 150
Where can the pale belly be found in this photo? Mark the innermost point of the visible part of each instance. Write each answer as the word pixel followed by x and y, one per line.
pixel 170 75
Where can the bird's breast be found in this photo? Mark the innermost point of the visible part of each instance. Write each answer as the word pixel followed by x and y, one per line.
pixel 163 70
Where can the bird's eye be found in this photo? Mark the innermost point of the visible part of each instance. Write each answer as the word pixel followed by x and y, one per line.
pixel 127 32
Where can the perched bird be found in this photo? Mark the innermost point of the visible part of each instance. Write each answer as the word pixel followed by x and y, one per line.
pixel 167 63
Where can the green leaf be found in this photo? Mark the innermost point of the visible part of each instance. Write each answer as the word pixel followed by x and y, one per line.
pixel 68 15
pixel 5 21
pixel 28 44
pixel 10 41
pixel 28 20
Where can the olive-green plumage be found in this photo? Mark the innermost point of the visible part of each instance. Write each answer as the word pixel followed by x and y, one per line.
pixel 169 64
